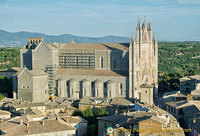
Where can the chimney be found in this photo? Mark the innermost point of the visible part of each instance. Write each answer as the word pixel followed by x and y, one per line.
pixel 67 120
pixel 21 122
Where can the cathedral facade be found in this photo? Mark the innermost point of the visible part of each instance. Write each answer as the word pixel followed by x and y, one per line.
pixel 77 70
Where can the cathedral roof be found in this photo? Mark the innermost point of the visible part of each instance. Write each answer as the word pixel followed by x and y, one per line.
pixel 66 71
pixel 95 46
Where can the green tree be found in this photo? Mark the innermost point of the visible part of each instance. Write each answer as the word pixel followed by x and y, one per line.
pixel 1 96
pixel 88 112
pixel 101 112
pixel 77 113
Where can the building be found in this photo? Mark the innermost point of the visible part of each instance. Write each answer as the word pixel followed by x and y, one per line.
pixel 190 84
pixel 5 114
pixel 184 111
pixel 23 125
pixel 77 70
pixel 140 123
pixel 112 106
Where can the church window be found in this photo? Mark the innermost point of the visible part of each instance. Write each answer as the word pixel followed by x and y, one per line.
pixel 92 84
pixel 101 62
pixel 146 91
pixel 114 64
pixel 120 88
pixel 105 90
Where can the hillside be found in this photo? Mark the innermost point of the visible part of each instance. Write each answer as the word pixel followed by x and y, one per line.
pixel 182 58
pixel 20 38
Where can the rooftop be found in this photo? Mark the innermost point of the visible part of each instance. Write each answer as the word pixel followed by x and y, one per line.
pixel 68 71
pixel 3 112
pixel 25 105
pixel 196 77
pixel 95 46
pixel 24 125
pixel 44 126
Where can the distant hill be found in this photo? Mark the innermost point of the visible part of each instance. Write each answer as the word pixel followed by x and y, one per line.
pixel 16 39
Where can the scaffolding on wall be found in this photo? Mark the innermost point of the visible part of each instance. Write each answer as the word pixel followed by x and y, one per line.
pixel 52 82
pixel 77 60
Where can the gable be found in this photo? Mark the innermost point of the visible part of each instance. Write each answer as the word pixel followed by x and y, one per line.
pixel 24 72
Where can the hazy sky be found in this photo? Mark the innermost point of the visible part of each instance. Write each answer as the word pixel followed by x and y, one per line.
pixel 171 19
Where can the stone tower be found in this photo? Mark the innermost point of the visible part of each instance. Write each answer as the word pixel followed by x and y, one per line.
pixel 143 64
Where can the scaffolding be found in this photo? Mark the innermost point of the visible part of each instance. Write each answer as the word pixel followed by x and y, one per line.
pixel 51 78
pixel 77 60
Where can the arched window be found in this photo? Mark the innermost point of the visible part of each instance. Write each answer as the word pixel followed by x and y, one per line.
pixel 120 88
pixel 114 64
pixel 101 62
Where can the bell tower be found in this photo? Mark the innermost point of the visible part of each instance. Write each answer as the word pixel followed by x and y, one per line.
pixel 143 64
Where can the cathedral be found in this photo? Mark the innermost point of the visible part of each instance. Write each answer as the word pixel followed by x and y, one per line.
pixel 77 70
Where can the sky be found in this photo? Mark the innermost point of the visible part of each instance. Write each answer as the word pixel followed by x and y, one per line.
pixel 172 20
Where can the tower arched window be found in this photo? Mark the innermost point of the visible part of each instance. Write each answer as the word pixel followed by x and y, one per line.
pixel 101 62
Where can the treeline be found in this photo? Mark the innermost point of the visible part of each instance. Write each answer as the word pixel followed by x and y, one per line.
pixel 91 117
pixel 179 57
pixel 176 60
pixel 9 57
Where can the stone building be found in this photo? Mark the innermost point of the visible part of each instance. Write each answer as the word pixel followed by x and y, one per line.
pixel 102 70
pixel 151 123
pixel 190 84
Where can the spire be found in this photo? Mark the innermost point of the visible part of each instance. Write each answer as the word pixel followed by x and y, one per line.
pixel 154 37
pixel 132 41
pixel 149 27
pixel 144 24
pixel 139 23
pixel 132 38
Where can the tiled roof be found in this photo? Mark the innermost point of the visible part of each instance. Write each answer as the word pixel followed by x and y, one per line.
pixel 44 126
pixel 96 46
pixel 197 77
pixel 37 72
pixel 67 71
pixel 76 119
pixel 91 100
pixel 3 112
pixel 13 127
pixel 24 105
pixel 120 101
pixel 176 104
pixel 116 119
